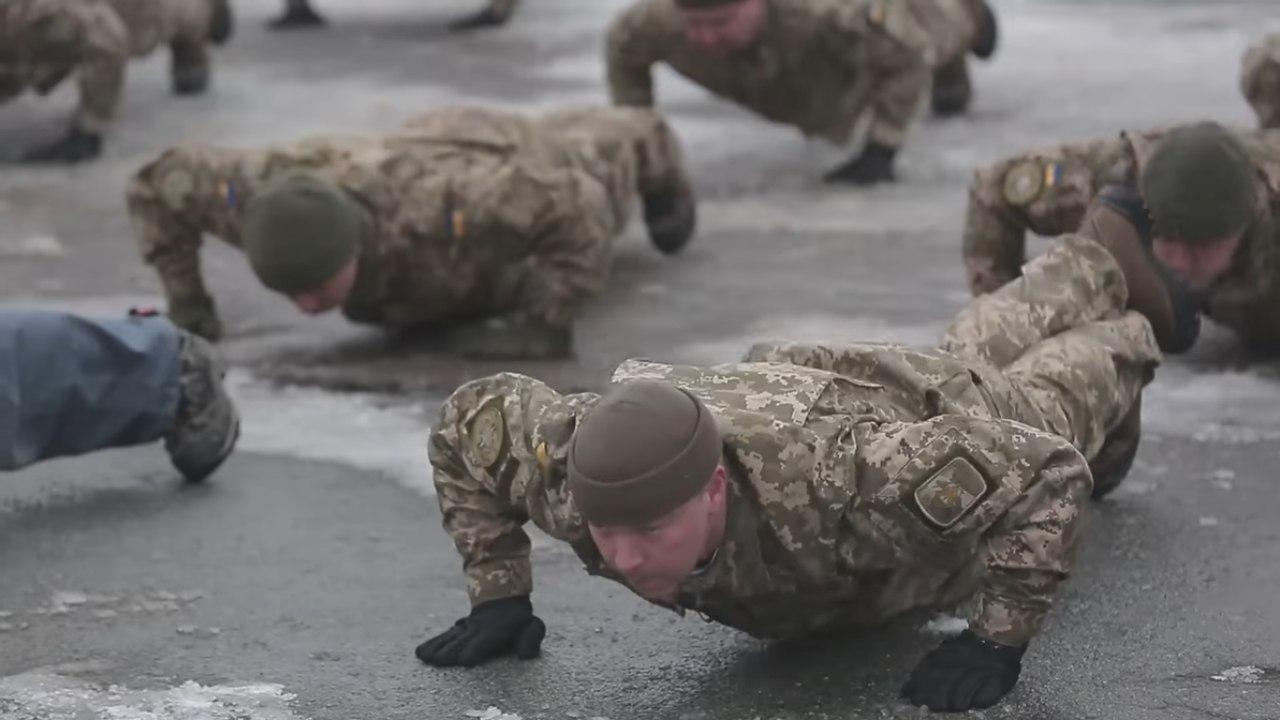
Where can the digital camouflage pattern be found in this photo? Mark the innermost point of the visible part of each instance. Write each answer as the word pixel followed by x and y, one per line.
pixel 867 479
pixel 42 42
pixel 1260 80
pixel 474 211
pixel 1048 192
pixel 820 65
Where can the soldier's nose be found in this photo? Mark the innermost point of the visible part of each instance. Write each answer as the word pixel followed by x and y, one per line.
pixel 626 558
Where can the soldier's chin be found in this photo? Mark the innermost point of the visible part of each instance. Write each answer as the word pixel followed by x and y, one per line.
pixel 654 591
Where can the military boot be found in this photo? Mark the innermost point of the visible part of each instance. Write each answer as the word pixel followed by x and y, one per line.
pixel 206 425
pixel 298 14
pixel 671 214
pixel 75 146
pixel 951 88
pixel 874 165
pixel 1113 462
pixel 189 67
pixel 988 35
pixel 514 337
pixel 222 22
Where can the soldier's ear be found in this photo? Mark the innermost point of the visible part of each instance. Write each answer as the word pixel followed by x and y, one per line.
pixel 718 487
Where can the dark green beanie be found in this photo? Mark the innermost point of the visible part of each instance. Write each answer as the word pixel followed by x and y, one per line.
pixel 644 450
pixel 300 230
pixel 1198 184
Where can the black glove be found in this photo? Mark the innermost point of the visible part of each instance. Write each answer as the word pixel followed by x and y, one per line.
pixel 964 673
pixel 874 165
pixel 494 628
pixel 483 19
pixel 78 144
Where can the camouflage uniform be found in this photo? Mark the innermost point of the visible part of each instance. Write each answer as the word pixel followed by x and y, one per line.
pixel 820 65
pixel 1260 80
pixel 866 480
pixel 474 211
pixel 1049 191
pixel 44 41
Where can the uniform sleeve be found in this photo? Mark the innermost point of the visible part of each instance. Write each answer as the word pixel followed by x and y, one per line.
pixel 630 58
pixel 173 201
pixel 1003 492
pixel 1046 192
pixel 498 454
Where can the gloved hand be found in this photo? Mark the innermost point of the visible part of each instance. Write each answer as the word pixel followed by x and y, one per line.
pixel 78 144
pixel 483 19
pixel 493 629
pixel 964 673
pixel 196 315
pixel 874 165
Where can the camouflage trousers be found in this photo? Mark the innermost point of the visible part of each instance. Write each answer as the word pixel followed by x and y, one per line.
pixel 1260 80
pixel 1053 349
pixel 42 42
pixel 913 40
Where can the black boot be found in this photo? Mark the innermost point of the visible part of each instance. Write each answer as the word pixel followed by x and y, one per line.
pixel 77 145
pixel 206 425
pixel 874 165
pixel 984 43
pixel 298 14
pixel 671 214
pixel 1112 464
pixel 189 67
pixel 951 88
pixel 222 22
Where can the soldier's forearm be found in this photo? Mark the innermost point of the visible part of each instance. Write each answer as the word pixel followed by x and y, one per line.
pixel 1012 606
pixel 498 579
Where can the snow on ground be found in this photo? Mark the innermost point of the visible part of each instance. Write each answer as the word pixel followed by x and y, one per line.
pixel 48 695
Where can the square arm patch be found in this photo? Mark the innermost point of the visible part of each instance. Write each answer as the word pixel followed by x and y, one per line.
pixel 950 493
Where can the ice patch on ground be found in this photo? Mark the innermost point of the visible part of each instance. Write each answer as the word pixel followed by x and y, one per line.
pixel 358 429
pixel 1221 407
pixel 36 246
pixel 491 713
pixel 50 696
pixel 1243 675
pixel 945 625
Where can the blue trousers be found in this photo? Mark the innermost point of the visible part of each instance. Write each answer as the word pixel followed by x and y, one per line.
pixel 71 385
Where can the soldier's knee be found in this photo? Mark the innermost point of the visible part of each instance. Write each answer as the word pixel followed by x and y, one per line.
pixel 770 351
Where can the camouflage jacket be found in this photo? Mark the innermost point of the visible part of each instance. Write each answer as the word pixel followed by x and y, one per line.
pixel 815 68
pixel 466 204
pixel 1049 191
pixel 855 497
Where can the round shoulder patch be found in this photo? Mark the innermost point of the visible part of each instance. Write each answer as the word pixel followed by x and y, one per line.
pixel 1023 182
pixel 485 436
pixel 176 186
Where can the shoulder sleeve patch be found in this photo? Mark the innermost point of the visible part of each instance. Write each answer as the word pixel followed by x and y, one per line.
pixel 1024 182
pixel 485 436
pixel 176 186
pixel 950 493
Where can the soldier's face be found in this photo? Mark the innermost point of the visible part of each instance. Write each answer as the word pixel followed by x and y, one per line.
pixel 725 29
pixel 1199 265
pixel 656 558
pixel 329 295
